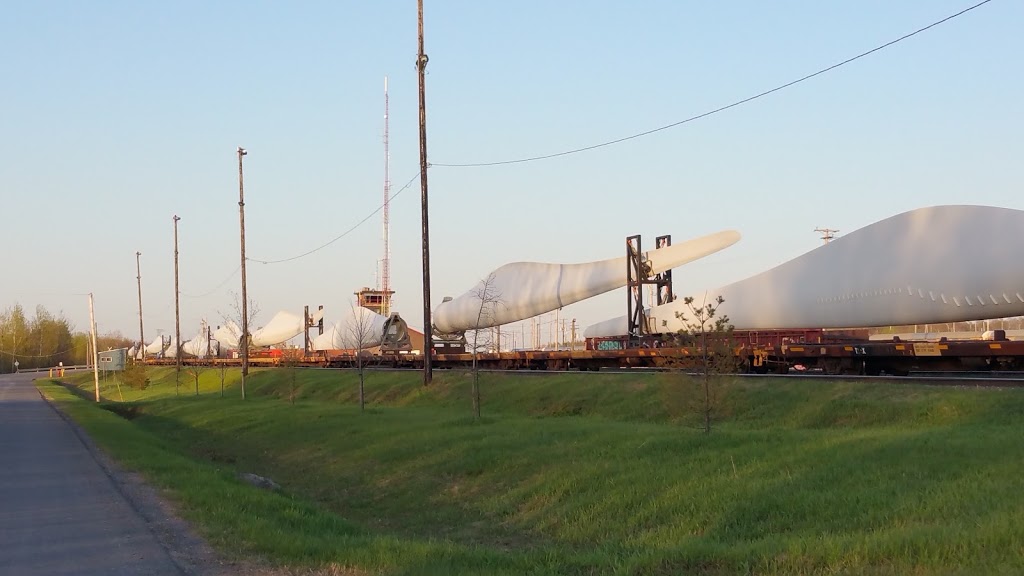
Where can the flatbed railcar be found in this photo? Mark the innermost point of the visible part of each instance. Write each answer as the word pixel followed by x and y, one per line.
pixel 895 357
pixel 829 352
pixel 747 338
pixel 851 352
pixel 585 360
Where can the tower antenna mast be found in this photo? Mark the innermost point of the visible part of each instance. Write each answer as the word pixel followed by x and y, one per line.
pixel 827 234
pixel 385 274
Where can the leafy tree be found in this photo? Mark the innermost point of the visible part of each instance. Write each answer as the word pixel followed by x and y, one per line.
pixel 113 340
pixel 15 331
pixel 80 348
pixel 43 341
pixel 135 375
pixel 708 337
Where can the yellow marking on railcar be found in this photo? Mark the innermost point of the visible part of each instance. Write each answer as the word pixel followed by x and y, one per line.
pixel 995 346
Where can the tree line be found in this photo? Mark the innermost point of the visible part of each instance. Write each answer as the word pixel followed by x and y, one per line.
pixel 45 340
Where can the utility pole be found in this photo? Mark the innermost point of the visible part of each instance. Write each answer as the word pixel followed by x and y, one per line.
pixel 827 234
pixel 138 276
pixel 428 336
pixel 95 364
pixel 243 343
pixel 177 310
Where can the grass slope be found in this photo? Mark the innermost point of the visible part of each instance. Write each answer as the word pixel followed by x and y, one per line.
pixel 585 474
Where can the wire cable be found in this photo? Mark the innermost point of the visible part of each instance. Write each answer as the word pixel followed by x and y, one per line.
pixel 218 287
pixel 343 234
pixel 33 356
pixel 49 293
pixel 716 110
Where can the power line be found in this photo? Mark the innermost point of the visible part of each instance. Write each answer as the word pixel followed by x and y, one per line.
pixel 218 287
pixel 716 110
pixel 343 234
pixel 49 293
pixel 14 355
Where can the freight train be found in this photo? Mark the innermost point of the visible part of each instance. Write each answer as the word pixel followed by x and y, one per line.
pixel 930 265
pixel 845 352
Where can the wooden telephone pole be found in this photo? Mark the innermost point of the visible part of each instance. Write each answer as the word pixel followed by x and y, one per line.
pixel 138 277
pixel 243 342
pixel 428 336
pixel 95 354
pixel 177 311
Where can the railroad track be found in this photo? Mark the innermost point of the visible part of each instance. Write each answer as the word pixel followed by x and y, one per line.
pixel 995 379
pixel 966 379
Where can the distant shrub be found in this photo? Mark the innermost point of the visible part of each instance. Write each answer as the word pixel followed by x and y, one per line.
pixel 135 375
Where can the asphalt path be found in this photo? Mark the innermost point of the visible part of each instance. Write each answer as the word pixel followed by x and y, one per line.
pixel 60 513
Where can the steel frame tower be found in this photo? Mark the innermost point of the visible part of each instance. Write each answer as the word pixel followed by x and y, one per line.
pixel 385 273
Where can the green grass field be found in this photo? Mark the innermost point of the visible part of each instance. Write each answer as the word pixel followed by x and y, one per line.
pixel 581 474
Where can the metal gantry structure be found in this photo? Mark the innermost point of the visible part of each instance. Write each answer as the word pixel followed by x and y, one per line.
pixel 638 274
pixel 307 323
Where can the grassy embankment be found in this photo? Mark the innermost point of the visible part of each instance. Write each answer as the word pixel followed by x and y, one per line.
pixel 585 474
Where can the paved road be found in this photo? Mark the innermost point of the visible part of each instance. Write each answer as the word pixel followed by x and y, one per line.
pixel 59 511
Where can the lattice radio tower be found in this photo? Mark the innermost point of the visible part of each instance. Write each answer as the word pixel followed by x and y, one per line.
pixel 827 234
pixel 385 274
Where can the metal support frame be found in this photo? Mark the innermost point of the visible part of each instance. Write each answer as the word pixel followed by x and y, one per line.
pixel 308 323
pixel 306 344
pixel 664 280
pixel 635 276
pixel 638 274
pixel 395 338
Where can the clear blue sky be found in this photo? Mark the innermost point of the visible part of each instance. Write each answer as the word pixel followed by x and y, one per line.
pixel 118 115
